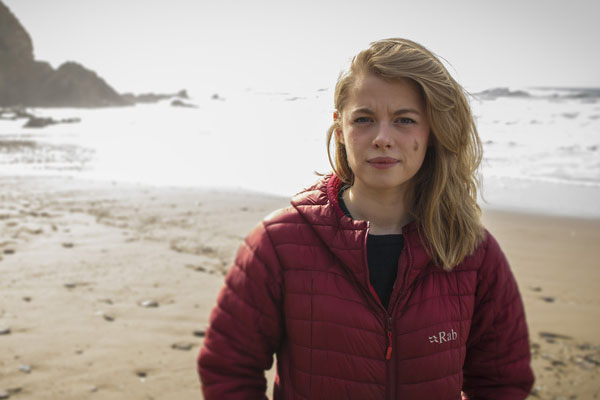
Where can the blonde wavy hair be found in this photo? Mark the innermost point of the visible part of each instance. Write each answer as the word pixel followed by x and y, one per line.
pixel 442 196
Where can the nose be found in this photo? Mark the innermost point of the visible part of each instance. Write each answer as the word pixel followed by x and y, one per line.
pixel 383 139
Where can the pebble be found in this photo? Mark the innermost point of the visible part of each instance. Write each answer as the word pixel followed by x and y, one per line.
pixel 4 394
pixel 549 335
pixel 9 251
pixel 70 285
pixel 25 368
pixel 67 245
pixel 548 299
pixel 149 304
pixel 4 330
pixel 33 230
pixel 593 358
pixel 27 299
pixel 108 317
pixel 199 333
pixel 182 346
pixel 198 268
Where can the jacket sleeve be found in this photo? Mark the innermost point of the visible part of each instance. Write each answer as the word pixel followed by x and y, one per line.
pixel 245 327
pixel 497 364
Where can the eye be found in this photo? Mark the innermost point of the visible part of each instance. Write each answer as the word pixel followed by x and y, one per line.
pixel 362 120
pixel 405 120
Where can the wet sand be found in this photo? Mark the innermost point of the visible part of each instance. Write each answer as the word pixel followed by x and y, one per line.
pixel 106 288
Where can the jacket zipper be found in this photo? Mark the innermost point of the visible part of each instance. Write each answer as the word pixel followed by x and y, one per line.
pixel 390 392
pixel 388 353
pixel 389 363
pixel 390 387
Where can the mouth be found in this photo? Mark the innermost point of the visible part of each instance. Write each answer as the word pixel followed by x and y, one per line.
pixel 383 162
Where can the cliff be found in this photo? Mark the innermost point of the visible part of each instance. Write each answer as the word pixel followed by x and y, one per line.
pixel 30 83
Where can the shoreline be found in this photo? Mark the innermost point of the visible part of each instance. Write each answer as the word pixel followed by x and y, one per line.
pixel 107 286
pixel 544 198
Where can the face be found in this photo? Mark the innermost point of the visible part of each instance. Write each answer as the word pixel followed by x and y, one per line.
pixel 385 132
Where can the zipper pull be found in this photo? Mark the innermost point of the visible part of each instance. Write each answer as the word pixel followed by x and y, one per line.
pixel 388 353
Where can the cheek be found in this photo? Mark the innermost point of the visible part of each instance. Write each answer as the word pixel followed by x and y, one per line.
pixel 416 145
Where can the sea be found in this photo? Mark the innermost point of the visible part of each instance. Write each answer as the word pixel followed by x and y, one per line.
pixel 541 145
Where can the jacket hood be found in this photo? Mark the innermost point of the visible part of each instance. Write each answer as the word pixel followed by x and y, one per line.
pixel 345 237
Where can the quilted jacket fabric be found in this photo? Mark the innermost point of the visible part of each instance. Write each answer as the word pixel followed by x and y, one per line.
pixel 299 289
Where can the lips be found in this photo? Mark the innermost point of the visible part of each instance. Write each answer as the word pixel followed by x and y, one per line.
pixel 383 162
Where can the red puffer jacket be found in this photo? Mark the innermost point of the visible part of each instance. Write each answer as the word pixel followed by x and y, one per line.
pixel 299 288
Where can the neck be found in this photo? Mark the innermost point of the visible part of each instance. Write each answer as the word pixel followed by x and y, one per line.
pixel 384 209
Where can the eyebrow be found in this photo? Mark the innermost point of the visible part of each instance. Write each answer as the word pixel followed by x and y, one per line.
pixel 365 110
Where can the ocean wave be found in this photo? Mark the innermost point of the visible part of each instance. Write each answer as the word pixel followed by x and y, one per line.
pixel 588 94
pixel 494 93
pixel 583 93
pixel 47 155
pixel 565 180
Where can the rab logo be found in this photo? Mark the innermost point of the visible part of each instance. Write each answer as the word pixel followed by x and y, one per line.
pixel 443 337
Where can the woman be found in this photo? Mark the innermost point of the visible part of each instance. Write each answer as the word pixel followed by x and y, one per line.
pixel 379 282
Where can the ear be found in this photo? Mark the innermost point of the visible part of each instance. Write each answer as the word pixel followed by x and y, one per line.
pixel 340 136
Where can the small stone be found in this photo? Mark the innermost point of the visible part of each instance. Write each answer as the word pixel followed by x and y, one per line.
pixel 25 368
pixel 593 358
pixel 4 394
pixel 182 346
pixel 33 230
pixel 13 390
pixel 108 317
pixel 94 389
pixel 70 285
pixel 548 299
pixel 536 288
pixel 27 299
pixel 9 251
pixel 141 374
pixel 149 304
pixel 68 245
pixel 549 335
pixel 198 268
pixel 4 330
pixel 199 333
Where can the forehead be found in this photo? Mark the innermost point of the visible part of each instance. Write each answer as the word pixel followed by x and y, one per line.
pixel 371 91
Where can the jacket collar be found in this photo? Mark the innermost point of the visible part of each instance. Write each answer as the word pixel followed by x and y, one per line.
pixel 346 238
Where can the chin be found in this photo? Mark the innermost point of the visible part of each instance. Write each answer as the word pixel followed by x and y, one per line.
pixel 385 183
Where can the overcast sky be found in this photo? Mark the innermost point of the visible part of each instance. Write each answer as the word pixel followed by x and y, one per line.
pixel 166 45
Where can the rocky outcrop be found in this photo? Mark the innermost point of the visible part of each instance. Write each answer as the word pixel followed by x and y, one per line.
pixel 27 82
pixel 153 97
pixel 179 103
pixel 494 93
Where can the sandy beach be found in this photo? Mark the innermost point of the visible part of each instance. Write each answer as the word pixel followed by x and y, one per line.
pixel 106 288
